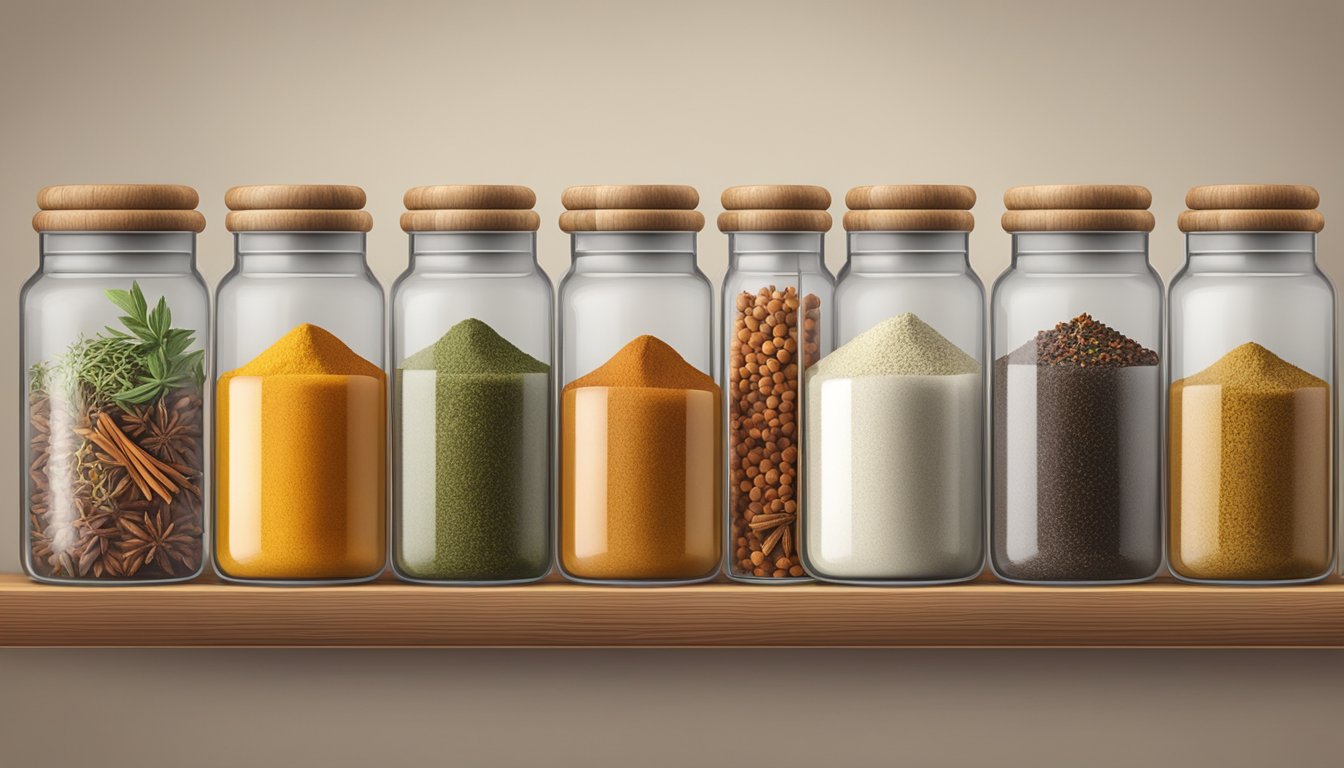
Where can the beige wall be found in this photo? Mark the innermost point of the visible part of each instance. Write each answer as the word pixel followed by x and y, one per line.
pixel 390 95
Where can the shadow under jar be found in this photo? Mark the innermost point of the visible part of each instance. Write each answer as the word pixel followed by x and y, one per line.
pixel 114 328
pixel 471 340
pixel 895 415
pixel 1076 390
pixel 640 442
pixel 776 294
pixel 1251 400
pixel 301 408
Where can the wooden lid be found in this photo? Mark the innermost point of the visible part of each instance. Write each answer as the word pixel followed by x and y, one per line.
pixel 1078 220
pixel 471 220
pixel 631 196
pixel 470 196
pixel 1260 196
pixel 325 197
pixel 273 220
pixel 762 220
pixel 954 197
pixel 119 221
pixel 632 220
pixel 789 197
pixel 893 220
pixel 1078 197
pixel 118 197
pixel 1246 220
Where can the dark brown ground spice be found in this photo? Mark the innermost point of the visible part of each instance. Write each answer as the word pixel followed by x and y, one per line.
pixel 1097 509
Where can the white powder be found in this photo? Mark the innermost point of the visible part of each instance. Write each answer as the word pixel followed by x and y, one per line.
pixel 894 458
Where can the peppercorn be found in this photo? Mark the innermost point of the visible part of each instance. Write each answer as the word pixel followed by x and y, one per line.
pixel 763 381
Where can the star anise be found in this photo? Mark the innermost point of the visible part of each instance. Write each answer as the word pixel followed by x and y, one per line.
pixel 170 434
pixel 100 531
pixel 154 540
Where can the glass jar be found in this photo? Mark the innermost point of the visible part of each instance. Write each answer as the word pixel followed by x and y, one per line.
pixel 471 343
pixel 1077 389
pixel 114 328
pixel 1252 367
pixel 640 447
pixel 895 416
pixel 777 283
pixel 301 408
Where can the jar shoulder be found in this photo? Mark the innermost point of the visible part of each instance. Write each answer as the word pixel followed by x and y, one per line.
pixel 45 288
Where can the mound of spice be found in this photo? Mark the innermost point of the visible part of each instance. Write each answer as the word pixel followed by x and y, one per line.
pixel 115 452
pixel 1250 470
pixel 762 393
pixel 1076 446
pixel 894 439
pixel 302 463
pixel 473 420
pixel 640 469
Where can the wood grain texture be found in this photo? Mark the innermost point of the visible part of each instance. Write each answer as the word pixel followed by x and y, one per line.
pixel 630 196
pixel 1214 197
pixel 632 221
pixel 119 221
pixel 470 220
pixel 804 197
pixel 957 197
pixel 774 221
pixel 258 197
pixel 298 221
pixel 1251 221
pixel 892 220
pixel 118 197
pixel 1078 220
pixel 387 613
pixel 473 196
pixel 1086 196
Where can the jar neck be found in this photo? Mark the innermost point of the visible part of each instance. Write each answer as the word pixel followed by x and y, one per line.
pixel 1081 252
pixel 634 252
pixel 328 253
pixel 118 252
pixel 473 252
pixel 1251 252
pixel 776 252
pixel 908 252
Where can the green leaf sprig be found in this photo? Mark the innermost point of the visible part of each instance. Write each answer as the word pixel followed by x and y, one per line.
pixel 162 348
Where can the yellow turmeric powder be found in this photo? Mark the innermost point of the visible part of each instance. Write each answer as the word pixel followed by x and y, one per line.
pixel 301 461
pixel 641 469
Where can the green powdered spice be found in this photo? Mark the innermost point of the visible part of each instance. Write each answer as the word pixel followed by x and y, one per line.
pixel 474 470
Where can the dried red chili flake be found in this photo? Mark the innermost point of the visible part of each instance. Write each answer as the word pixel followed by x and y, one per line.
pixel 1084 343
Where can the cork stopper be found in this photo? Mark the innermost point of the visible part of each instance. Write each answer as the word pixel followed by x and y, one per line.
pixel 470 208
pixel 118 208
pixel 910 208
pixel 1252 208
pixel 631 208
pixel 297 208
pixel 1078 208
pixel 775 208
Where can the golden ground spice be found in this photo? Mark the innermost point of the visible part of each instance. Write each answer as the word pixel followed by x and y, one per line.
pixel 302 463
pixel 1250 470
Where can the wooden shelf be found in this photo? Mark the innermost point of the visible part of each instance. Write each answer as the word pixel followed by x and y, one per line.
pixel 390 614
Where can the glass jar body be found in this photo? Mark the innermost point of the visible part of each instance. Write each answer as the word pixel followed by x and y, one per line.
pixel 115 465
pixel 895 470
pixel 471 418
pixel 777 294
pixel 1251 435
pixel 301 412
pixel 1077 439
pixel 640 446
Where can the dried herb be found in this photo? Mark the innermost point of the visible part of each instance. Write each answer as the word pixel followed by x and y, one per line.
pixel 115 455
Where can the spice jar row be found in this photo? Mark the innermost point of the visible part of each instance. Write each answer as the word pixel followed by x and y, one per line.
pixel 843 440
